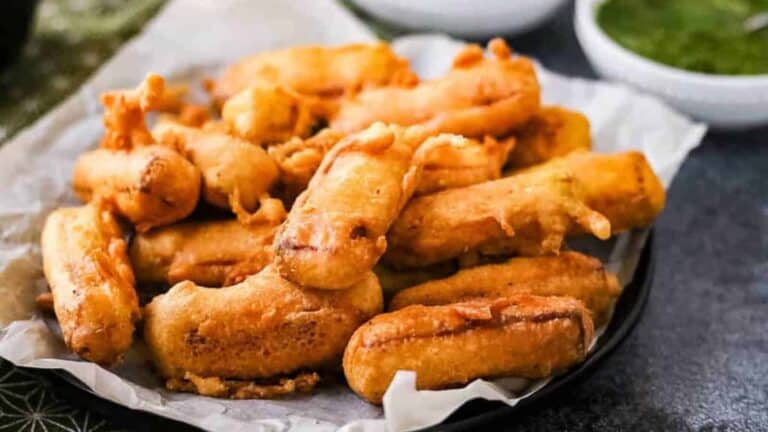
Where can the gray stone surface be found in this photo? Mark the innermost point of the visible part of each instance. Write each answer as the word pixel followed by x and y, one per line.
pixel 698 360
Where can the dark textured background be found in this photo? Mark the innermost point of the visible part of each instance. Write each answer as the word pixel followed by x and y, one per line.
pixel 698 360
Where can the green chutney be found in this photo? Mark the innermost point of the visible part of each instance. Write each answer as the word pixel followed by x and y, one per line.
pixel 698 35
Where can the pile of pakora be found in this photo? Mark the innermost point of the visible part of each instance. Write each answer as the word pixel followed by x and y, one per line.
pixel 273 223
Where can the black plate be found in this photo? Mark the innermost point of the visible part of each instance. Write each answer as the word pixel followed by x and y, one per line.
pixel 472 415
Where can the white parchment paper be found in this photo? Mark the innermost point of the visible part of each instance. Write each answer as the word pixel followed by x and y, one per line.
pixel 190 38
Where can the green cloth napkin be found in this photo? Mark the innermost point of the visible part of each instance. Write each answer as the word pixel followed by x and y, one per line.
pixel 70 39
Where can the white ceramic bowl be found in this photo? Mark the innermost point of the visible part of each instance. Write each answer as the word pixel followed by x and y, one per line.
pixel 464 18
pixel 725 102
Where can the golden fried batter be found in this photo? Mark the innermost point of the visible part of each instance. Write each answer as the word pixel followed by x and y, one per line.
pixel 298 159
pixel 527 214
pixel 149 185
pixel 569 274
pixel 323 72
pixel 124 112
pixel 452 161
pixel 263 327
pixel 456 161
pixel 272 388
pixel 447 346
pixel 621 186
pixel 264 114
pixel 210 253
pixel 334 233
pixel 86 265
pixel 477 97
pixel 236 174
pixel 552 132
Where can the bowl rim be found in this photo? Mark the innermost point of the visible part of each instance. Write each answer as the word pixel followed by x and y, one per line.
pixel 586 14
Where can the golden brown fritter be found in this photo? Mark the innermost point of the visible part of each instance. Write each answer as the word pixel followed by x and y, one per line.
pixel 236 174
pixel 125 110
pixel 452 161
pixel 451 345
pixel 149 185
pixel 528 214
pixel 477 97
pixel 299 158
pixel 85 263
pixel 266 114
pixel 552 132
pixel 272 388
pixel 317 71
pixel 209 253
pixel 334 233
pixel 621 186
pixel 569 274
pixel 456 161
pixel 262 328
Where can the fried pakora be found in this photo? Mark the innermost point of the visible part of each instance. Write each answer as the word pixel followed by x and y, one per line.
pixel 568 274
pixel 229 342
pixel 456 161
pixel 267 114
pixel 448 346
pixel 317 71
pixel 125 111
pixel 149 185
pixel 528 214
pixel 299 158
pixel 334 233
pixel 621 186
pixel 90 277
pixel 236 175
pixel 209 253
pixel 552 132
pixel 477 97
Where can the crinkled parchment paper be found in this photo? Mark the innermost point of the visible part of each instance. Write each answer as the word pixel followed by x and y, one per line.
pixel 193 37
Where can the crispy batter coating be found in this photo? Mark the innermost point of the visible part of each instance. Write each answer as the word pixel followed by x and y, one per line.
pixel 477 97
pixel 621 186
pixel 85 263
pixel 334 233
pixel 527 214
pixel 236 174
pixel 124 112
pixel 299 158
pixel 149 185
pixel 273 388
pixel 324 72
pixel 552 132
pixel 263 327
pixel 451 345
pixel 452 161
pixel 266 113
pixel 569 274
pixel 456 161
pixel 210 253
